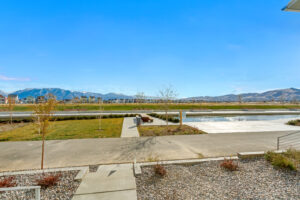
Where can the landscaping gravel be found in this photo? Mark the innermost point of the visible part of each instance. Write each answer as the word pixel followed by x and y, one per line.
pixel 255 179
pixel 64 189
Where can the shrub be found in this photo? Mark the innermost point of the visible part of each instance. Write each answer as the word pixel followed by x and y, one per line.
pixel 7 182
pixel 294 122
pixel 160 170
pixel 64 118
pixel 163 117
pixel 229 165
pixel 281 160
pixel 49 180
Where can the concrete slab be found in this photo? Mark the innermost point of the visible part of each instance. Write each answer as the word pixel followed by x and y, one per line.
pixel 243 126
pixel 118 195
pixel 108 178
pixel 129 128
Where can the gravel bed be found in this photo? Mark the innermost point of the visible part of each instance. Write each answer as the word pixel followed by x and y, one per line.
pixel 64 189
pixel 255 179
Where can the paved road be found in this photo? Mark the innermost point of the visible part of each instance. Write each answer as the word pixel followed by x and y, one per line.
pixel 191 112
pixel 79 152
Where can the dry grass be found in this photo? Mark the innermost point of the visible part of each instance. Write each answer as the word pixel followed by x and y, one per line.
pixel 73 129
pixel 172 130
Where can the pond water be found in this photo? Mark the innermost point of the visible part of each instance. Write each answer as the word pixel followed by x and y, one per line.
pixel 237 118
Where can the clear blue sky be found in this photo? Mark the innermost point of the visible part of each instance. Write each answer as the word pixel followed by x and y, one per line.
pixel 199 47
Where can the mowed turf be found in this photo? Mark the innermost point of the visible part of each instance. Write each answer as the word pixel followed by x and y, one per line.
pixel 171 130
pixel 157 106
pixel 72 129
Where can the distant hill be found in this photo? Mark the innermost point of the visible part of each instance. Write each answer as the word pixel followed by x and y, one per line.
pixel 289 94
pixel 66 94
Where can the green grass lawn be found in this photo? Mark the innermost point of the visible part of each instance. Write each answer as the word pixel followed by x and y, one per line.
pixel 72 129
pixel 172 130
pixel 148 106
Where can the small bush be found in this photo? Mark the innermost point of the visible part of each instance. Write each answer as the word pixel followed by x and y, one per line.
pixel 229 165
pixel 294 122
pixel 49 180
pixel 64 118
pixel 7 182
pixel 281 160
pixel 160 170
pixel 163 117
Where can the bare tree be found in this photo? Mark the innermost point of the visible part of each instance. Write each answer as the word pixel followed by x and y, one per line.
pixel 140 98
pixel 167 95
pixel 100 102
pixel 43 113
pixel 11 104
pixel 240 98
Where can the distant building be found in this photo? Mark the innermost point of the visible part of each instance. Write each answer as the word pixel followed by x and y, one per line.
pixel 99 100
pixel 50 96
pixel 92 99
pixel 3 99
pixel 83 99
pixel 40 99
pixel 29 100
pixel 13 98
pixel 75 100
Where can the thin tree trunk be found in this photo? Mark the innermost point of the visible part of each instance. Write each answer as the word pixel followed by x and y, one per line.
pixel 167 119
pixel 43 151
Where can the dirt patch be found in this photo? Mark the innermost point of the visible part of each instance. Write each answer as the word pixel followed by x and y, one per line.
pixel 8 127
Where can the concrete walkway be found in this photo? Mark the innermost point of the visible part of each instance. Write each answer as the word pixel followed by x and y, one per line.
pixel 80 152
pixel 111 182
pixel 129 128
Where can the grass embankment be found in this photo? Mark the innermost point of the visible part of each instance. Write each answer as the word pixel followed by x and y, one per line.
pixel 172 130
pixel 294 122
pixel 60 130
pixel 148 106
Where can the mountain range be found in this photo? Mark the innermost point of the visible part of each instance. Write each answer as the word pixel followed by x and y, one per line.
pixel 66 94
pixel 289 94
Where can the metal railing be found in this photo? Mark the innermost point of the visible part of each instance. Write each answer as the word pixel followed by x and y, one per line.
pixel 291 140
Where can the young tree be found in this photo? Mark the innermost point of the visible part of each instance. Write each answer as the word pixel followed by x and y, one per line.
pixel 11 104
pixel 43 113
pixel 240 98
pixel 140 98
pixel 167 95
pixel 100 102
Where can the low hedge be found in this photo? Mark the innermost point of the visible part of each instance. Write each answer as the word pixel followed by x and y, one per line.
pixel 64 118
pixel 163 117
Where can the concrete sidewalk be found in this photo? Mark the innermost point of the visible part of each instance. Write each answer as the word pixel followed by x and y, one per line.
pixel 111 182
pixel 129 128
pixel 80 152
